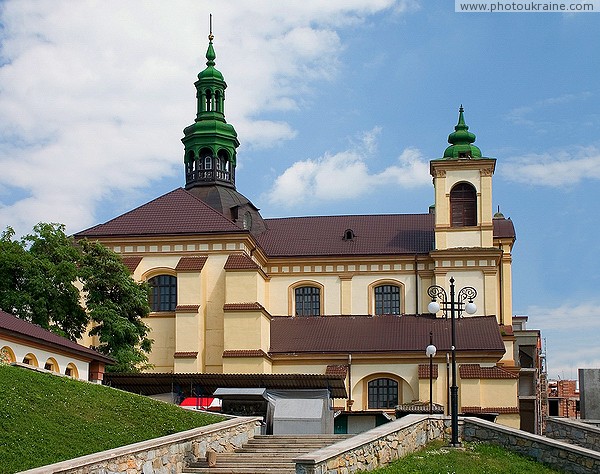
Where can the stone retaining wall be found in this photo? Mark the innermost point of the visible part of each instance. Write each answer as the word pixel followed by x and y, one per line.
pixel 576 432
pixel 374 448
pixel 562 456
pixel 166 455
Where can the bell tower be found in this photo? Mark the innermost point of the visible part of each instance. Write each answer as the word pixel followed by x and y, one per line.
pixel 462 179
pixel 210 142
pixel 210 151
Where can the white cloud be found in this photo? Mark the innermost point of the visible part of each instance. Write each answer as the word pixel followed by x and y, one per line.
pixel 94 95
pixel 558 168
pixel 520 115
pixel 570 332
pixel 346 175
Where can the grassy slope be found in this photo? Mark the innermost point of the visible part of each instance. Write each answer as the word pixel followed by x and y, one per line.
pixel 46 419
pixel 475 459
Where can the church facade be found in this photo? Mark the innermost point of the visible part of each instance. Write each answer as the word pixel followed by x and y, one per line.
pixel 236 293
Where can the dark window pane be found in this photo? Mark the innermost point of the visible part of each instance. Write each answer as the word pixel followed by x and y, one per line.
pixel 387 299
pixel 383 393
pixel 163 296
pixel 308 301
pixel 463 206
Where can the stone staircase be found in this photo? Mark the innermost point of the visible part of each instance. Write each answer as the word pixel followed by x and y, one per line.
pixel 265 454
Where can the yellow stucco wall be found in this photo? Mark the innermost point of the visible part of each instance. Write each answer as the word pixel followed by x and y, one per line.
pixel 162 331
pixel 246 330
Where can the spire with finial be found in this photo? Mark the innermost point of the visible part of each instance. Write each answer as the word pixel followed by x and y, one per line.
pixel 461 141
pixel 210 142
pixel 210 53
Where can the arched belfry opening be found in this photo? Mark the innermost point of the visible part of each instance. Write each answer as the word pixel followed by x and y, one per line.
pixel 463 205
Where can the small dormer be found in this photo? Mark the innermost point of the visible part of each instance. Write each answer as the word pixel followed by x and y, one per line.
pixel 462 180
pixel 348 234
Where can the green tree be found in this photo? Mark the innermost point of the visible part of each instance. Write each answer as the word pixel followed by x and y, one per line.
pixel 116 305
pixel 39 278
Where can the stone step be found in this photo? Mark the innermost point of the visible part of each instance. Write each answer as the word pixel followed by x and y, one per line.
pixel 265 454
pixel 240 470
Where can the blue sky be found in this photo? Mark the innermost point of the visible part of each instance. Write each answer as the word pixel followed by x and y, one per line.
pixel 94 97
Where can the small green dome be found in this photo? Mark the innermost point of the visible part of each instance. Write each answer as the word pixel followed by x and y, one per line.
pixel 461 141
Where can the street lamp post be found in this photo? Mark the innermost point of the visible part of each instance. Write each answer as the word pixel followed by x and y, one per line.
pixel 456 305
pixel 430 350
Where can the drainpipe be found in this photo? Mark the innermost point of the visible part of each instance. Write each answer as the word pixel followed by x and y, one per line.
pixel 416 287
pixel 350 401
pixel 501 284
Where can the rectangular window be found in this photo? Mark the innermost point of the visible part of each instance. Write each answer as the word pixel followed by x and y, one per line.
pixel 308 301
pixel 387 299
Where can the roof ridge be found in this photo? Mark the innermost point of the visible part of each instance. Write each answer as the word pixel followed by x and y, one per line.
pixel 348 215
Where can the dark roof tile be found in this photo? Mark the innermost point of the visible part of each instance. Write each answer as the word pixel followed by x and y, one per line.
pixel 407 333
pixel 424 371
pixel 340 370
pixel 131 263
pixel 191 264
pixel 324 235
pixel 499 410
pixel 475 371
pixel 504 229
pixel 243 307
pixel 18 327
pixel 240 261
pixel 245 353
pixel 177 212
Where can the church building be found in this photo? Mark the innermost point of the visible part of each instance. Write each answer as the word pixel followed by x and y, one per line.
pixel 348 295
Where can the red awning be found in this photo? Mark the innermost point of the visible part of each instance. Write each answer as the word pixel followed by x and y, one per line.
pixel 202 403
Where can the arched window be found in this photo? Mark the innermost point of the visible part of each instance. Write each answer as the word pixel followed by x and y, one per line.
pixel 31 359
pixel 7 355
pixel 218 101
pixel 190 165
pixel 223 163
pixel 71 371
pixel 163 294
pixel 52 365
pixel 209 100
pixel 387 299
pixel 383 393
pixel 463 205
pixel 308 301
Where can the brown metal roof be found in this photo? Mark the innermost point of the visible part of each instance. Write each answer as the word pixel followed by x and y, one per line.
pixel 373 235
pixel 424 371
pixel 245 353
pixel 182 212
pixel 475 371
pixel 187 308
pixel 177 212
pixel 504 228
pixel 377 334
pixel 25 330
pixel 152 384
pixel 499 410
pixel 131 263
pixel 186 355
pixel 243 307
pixel 339 370
pixel 240 261
pixel 191 264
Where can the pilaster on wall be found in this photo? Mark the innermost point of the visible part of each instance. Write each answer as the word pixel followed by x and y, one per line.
pixel 506 282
